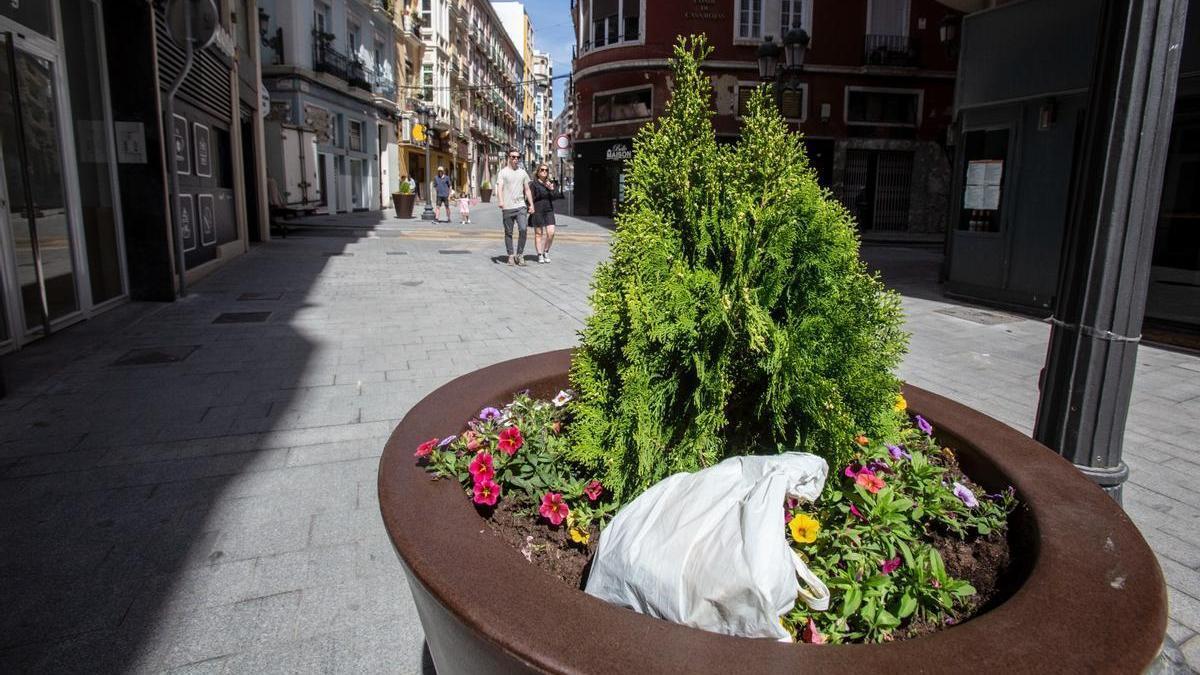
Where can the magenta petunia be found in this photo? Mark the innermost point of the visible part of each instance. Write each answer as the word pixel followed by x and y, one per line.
pixel 889 566
pixel 593 490
pixel 553 508
pixel 510 440
pixel 857 514
pixel 481 467
pixel 486 492
pixel 425 448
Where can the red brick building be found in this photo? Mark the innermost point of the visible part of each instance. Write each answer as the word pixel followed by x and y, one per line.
pixel 874 99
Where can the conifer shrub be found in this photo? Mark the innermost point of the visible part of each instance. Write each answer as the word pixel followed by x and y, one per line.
pixel 734 315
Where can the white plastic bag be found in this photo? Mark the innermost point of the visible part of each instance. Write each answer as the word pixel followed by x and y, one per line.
pixel 709 549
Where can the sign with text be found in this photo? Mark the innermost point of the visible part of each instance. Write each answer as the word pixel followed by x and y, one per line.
pixel 618 152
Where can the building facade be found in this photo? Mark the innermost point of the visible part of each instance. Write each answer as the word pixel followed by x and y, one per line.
pixel 85 217
pixel 543 107
pixel 331 71
pixel 520 30
pixel 874 100
pixel 1016 148
pixel 489 90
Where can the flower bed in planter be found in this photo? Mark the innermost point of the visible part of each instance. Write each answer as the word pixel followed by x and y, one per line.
pixel 1090 595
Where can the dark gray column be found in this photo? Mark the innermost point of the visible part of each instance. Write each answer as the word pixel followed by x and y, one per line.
pixel 1090 362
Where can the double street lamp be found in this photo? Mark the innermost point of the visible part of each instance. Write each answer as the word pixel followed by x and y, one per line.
pixel 426 114
pixel 787 74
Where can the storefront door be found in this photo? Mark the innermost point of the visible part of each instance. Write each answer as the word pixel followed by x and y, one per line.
pixel 41 276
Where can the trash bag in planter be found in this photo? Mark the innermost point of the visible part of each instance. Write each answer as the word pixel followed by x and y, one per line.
pixel 709 549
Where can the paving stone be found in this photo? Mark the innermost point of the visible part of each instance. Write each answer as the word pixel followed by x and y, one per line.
pixel 219 513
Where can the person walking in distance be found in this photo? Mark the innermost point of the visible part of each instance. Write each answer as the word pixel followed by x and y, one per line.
pixel 545 191
pixel 464 209
pixel 441 185
pixel 516 205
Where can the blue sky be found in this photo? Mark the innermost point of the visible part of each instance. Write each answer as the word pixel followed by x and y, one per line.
pixel 552 32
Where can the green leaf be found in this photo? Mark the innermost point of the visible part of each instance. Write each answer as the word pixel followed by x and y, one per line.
pixel 851 601
pixel 908 604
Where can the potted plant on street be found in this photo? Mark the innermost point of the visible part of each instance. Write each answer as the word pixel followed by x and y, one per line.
pixel 735 317
pixel 485 192
pixel 402 200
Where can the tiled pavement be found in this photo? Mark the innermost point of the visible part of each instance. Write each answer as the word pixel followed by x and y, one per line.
pixel 218 513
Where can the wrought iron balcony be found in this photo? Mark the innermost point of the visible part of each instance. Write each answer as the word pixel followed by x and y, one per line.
pixel 326 59
pixel 383 85
pixel 890 50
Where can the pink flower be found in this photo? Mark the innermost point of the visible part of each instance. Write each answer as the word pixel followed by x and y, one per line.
pixel 593 490
pixel 811 635
pixel 852 469
pixel 474 441
pixel 425 448
pixel 857 514
pixel 486 492
pixel 889 566
pixel 481 468
pixel 553 508
pixel 511 440
pixel 869 481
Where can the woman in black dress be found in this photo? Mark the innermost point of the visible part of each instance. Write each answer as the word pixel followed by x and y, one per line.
pixel 544 191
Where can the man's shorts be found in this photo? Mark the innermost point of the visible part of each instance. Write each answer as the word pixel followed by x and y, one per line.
pixel 443 200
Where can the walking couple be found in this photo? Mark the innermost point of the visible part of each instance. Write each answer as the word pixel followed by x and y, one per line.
pixel 526 202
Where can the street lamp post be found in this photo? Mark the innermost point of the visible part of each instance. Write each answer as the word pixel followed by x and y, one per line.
pixel 784 75
pixel 426 114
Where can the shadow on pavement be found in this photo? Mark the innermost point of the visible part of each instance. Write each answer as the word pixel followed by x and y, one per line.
pixel 121 548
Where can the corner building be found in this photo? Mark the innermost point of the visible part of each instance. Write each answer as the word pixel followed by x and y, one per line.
pixel 874 100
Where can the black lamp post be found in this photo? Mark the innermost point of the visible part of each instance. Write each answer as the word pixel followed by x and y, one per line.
pixel 426 114
pixel 785 75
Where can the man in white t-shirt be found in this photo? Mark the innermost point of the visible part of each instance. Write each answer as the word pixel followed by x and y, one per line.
pixel 516 203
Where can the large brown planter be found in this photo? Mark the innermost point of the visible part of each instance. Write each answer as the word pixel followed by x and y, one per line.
pixel 403 204
pixel 485 195
pixel 1090 598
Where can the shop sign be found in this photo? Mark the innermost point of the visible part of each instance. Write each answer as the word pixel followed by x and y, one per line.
pixel 705 10
pixel 208 230
pixel 618 152
pixel 203 150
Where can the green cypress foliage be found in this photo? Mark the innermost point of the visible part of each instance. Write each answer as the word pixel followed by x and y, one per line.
pixel 734 315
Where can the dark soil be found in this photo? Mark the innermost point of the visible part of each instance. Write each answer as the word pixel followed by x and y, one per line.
pixel 981 562
pixel 550 548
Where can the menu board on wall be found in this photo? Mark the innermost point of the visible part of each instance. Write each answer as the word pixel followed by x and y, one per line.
pixel 187 223
pixel 983 184
pixel 205 214
pixel 183 154
pixel 203 150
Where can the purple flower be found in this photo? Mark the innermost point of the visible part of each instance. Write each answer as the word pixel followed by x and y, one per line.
pixel 488 414
pixel 852 469
pixel 879 467
pixel 897 452
pixel 889 566
pixel 447 441
pixel 964 493
pixel 924 425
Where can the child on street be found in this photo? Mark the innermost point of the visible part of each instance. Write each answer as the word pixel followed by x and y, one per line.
pixel 464 210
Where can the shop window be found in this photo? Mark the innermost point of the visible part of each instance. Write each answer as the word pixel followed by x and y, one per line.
pixel 622 106
pixel 895 108
pixel 985 153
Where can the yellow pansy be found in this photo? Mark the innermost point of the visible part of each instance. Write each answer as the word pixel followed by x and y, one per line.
pixel 804 528
pixel 580 536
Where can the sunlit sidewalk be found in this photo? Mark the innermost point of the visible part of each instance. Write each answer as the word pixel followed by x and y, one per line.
pixel 193 484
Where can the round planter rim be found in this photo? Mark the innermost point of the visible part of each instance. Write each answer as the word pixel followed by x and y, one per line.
pixel 1093 598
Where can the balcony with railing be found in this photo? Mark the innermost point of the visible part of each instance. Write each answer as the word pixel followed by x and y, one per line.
pixel 383 85
pixel 890 50
pixel 326 59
